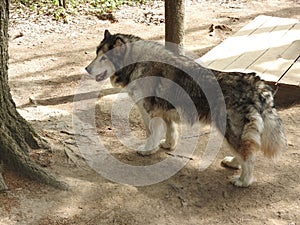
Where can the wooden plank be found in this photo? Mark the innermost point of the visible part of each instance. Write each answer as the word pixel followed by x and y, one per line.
pixel 223 50
pixel 258 46
pixel 285 55
pixel 267 45
pixel 293 75
pixel 251 47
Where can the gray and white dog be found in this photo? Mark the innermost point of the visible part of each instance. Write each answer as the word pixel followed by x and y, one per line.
pixel 252 122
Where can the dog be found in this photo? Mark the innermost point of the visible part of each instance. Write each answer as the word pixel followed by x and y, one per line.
pixel 251 120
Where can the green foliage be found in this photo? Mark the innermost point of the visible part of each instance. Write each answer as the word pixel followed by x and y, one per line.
pixel 60 14
pixel 74 7
pixel 102 6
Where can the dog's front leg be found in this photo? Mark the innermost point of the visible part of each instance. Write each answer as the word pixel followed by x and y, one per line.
pixel 145 116
pixel 157 131
pixel 171 136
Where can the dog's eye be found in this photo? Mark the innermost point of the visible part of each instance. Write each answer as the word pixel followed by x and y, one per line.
pixel 103 58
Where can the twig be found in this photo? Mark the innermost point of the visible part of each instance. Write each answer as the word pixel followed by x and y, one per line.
pixel 179 156
pixel 66 132
pixel 180 194
pixel 196 135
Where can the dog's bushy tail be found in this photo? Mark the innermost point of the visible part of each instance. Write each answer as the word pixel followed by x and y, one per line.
pixel 273 140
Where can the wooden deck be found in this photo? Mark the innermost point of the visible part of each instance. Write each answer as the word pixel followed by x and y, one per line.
pixel 267 45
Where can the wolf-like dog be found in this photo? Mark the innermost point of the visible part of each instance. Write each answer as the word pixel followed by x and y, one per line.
pixel 252 122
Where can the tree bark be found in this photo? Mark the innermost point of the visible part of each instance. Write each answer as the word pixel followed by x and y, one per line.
pixel 174 25
pixel 17 136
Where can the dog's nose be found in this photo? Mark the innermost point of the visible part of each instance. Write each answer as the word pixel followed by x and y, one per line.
pixel 87 69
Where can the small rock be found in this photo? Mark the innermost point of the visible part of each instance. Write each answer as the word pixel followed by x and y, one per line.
pixel 225 194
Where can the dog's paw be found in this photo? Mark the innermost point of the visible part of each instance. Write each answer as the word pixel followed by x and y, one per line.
pixel 236 181
pixel 166 145
pixel 144 151
pixel 231 162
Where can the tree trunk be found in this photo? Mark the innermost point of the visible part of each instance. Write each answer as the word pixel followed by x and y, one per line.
pixel 62 3
pixel 17 136
pixel 174 26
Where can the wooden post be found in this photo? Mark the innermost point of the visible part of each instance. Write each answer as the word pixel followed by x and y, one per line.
pixel 174 25
pixel 64 4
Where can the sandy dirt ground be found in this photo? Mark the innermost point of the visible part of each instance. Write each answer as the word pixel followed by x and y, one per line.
pixel 47 61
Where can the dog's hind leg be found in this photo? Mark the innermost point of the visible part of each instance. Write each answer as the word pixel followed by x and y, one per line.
pixel 250 143
pixel 171 136
pixel 246 177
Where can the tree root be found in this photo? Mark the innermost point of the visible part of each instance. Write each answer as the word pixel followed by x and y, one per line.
pixel 21 162
pixel 3 186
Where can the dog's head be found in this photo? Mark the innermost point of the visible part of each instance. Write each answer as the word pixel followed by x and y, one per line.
pixel 109 57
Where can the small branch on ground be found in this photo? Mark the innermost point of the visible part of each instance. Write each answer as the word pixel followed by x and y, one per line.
pixel 179 193
pixel 70 98
pixel 179 156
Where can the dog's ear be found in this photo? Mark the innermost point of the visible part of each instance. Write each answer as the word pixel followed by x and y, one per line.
pixel 106 34
pixel 119 46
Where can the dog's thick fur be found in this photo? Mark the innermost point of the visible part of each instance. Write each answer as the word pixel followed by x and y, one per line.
pixel 252 122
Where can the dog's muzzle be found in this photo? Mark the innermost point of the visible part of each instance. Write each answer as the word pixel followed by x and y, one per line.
pixel 101 76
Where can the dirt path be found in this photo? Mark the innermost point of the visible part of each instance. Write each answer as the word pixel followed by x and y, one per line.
pixel 47 62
